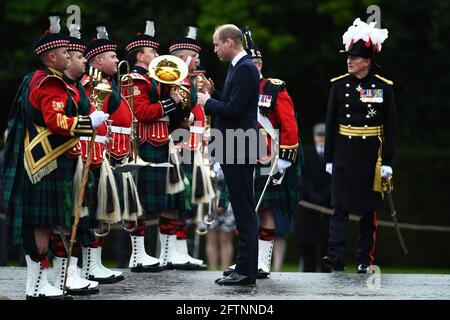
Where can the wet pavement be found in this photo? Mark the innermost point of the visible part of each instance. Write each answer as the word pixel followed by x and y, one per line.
pixel 199 285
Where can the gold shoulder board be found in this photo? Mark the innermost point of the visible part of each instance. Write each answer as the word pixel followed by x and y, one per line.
pixel 340 77
pixel 384 79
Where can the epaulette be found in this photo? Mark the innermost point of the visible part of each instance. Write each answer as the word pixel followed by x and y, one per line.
pixel 50 77
pixel 340 77
pixel 138 76
pixel 277 82
pixel 384 79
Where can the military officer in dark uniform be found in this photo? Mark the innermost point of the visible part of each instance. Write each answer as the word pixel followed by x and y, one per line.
pixel 361 127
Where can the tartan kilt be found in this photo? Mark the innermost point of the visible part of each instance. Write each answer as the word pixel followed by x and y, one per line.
pixel 85 236
pixel 272 196
pixel 190 209
pixel 91 200
pixel 49 202
pixel 92 192
pixel 152 182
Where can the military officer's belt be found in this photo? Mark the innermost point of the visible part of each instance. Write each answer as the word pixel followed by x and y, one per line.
pixel 352 131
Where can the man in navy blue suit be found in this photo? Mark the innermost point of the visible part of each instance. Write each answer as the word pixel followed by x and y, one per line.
pixel 235 112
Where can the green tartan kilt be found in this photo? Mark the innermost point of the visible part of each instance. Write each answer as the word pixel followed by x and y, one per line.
pixel 152 182
pixel 189 209
pixel 85 236
pixel 272 196
pixel 49 202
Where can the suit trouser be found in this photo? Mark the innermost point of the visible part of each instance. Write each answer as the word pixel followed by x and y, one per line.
pixel 367 228
pixel 240 183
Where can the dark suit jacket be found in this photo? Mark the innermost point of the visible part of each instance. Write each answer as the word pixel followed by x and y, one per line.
pixel 236 107
pixel 316 182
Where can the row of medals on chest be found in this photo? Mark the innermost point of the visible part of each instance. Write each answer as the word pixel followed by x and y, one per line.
pixel 367 96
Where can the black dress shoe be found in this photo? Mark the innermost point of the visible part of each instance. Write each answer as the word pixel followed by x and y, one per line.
pixel 187 266
pixel 153 268
pixel 262 274
pixel 333 262
pixel 228 271
pixel 236 279
pixel 362 268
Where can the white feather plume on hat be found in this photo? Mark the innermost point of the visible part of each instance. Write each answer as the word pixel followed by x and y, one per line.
pixel 150 28
pixel 366 32
pixel 102 33
pixel 192 33
pixel 54 24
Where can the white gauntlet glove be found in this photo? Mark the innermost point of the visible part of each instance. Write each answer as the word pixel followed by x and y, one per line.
pixel 283 165
pixel 386 171
pixel 329 168
pixel 97 118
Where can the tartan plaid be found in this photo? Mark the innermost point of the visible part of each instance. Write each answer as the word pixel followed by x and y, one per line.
pixel 272 196
pixel 189 208
pixel 119 183
pixel 91 200
pixel 46 203
pixel 49 202
pixel 13 170
pixel 152 182
pixel 85 236
pixel 290 191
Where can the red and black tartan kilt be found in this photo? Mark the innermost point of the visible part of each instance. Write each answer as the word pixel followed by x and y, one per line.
pixel 152 182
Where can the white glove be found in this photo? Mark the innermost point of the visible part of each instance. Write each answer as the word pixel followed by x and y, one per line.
pixel 283 165
pixel 386 171
pixel 97 118
pixel 217 169
pixel 329 168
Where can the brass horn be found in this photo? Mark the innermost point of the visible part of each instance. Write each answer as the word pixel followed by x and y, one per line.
pixel 98 93
pixel 171 70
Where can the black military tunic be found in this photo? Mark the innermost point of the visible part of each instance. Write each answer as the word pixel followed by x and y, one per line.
pixel 363 103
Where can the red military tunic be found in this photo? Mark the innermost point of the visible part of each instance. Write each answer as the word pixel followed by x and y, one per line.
pixel 121 126
pixel 54 108
pixel 282 117
pixel 149 111
pixel 48 94
pixel 195 138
